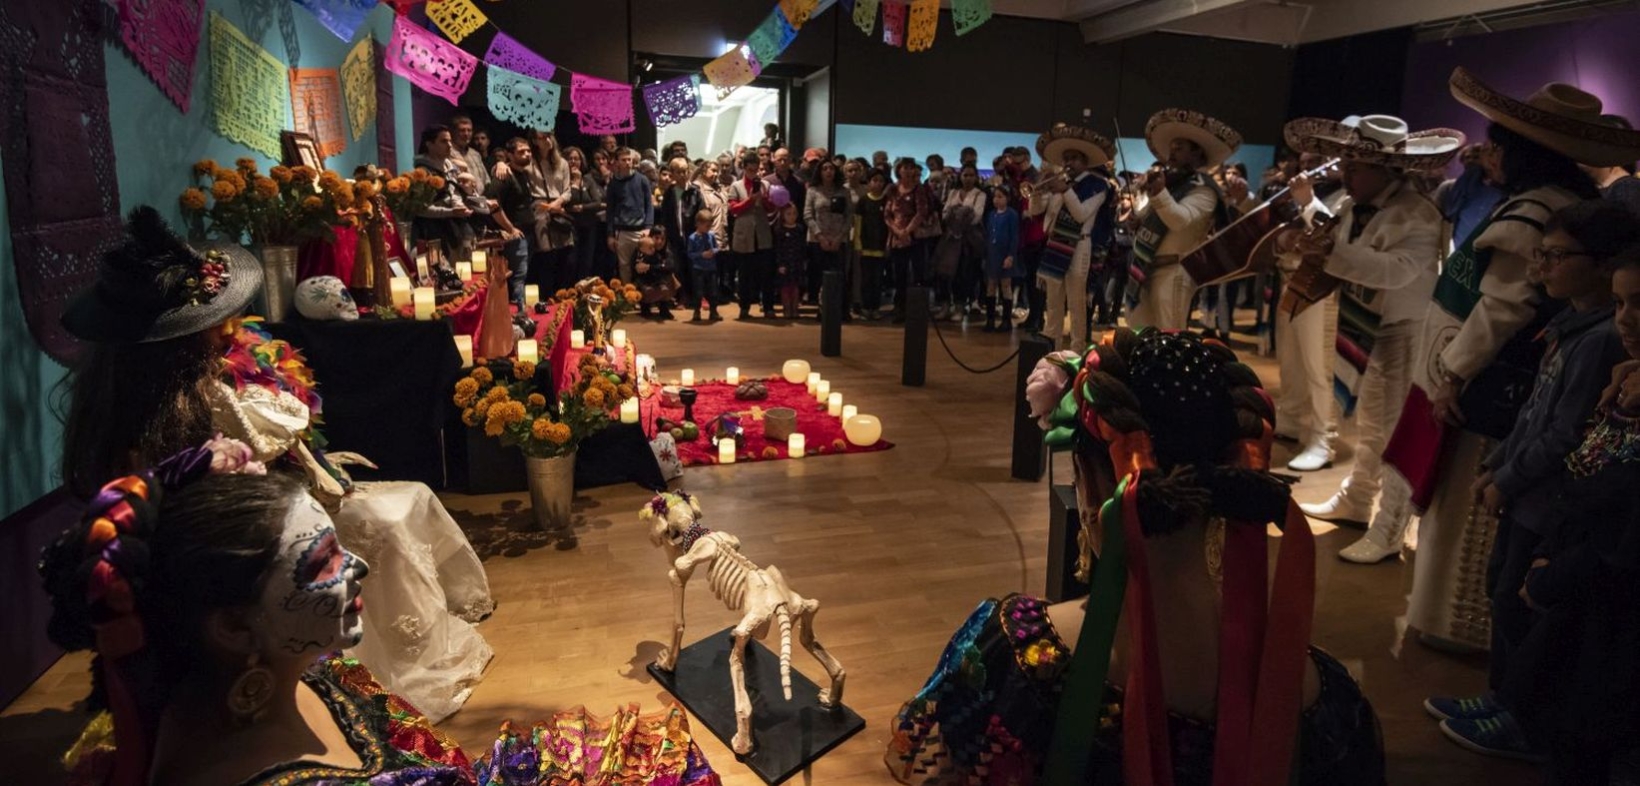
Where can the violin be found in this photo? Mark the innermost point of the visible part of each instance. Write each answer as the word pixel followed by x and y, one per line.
pixel 1239 250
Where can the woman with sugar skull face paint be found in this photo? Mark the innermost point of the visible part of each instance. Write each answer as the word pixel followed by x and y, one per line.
pixel 210 593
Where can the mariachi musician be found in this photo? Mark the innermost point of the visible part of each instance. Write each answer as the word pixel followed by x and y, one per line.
pixel 1384 253
pixel 1185 206
pixel 1305 338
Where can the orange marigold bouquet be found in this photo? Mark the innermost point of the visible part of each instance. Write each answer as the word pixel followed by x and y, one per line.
pixel 503 400
pixel 410 193
pixel 286 206
pixel 614 300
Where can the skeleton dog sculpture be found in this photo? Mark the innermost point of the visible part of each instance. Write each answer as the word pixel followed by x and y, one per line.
pixel 762 593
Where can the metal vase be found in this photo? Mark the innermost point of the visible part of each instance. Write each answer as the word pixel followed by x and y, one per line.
pixel 552 489
pixel 278 295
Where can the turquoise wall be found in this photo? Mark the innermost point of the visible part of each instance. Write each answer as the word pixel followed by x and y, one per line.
pixel 154 147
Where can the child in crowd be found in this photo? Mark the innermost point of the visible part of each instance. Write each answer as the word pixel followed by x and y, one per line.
pixel 703 271
pixel 655 274
pixel 872 242
pixel 1523 480
pixel 791 249
pixel 1001 260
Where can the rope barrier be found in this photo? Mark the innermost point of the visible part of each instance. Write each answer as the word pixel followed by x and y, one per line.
pixel 965 366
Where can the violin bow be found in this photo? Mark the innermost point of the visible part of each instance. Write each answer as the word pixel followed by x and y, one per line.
pixel 1260 208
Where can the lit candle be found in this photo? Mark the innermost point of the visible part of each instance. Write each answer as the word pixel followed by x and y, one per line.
pixel 629 410
pixel 425 300
pixel 532 294
pixel 687 377
pixel 618 338
pixel 464 345
pixel 400 288
pixel 577 338
pixel 849 411
pixel 529 351
pixel 814 379
pixel 822 389
pixel 464 270
pixel 421 267
pixel 795 446
pixel 732 376
pixel 726 450
pixel 481 262
pixel 834 404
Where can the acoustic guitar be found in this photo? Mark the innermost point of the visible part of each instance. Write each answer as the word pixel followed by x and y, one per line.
pixel 1230 253
pixel 1311 283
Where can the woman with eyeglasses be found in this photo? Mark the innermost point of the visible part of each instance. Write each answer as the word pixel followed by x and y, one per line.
pixel 1523 480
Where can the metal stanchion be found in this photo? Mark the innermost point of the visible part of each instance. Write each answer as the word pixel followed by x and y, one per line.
pixel 914 367
pixel 1028 452
pixel 831 314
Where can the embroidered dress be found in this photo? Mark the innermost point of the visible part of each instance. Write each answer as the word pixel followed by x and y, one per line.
pixel 577 747
pixel 426 584
pixel 396 744
pixel 986 714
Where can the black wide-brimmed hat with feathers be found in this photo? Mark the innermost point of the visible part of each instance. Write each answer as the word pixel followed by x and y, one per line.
pixel 155 287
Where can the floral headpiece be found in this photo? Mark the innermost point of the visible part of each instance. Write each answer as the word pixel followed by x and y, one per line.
pixel 203 286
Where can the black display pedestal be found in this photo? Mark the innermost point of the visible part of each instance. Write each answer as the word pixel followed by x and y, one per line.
pixel 786 735
pixel 1064 524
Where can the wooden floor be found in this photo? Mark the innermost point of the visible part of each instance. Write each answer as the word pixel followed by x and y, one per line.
pixel 898 546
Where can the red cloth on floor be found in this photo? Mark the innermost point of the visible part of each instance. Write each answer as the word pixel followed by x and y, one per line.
pixel 823 433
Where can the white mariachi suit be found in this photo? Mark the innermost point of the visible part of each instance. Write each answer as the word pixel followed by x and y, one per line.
pixel 1389 271
pixel 1304 355
pixel 1164 299
pixel 1072 289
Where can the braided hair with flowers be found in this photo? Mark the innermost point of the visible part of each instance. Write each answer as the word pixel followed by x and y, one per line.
pixel 153 554
pixel 1187 431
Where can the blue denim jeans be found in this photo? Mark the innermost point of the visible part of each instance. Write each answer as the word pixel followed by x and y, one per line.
pixel 518 268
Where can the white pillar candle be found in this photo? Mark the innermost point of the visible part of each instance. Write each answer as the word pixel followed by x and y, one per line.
pixel 464 270
pixel 849 411
pixel 814 379
pixel 481 262
pixel 629 410
pixel 400 289
pixel 726 451
pixel 529 351
pixel 687 377
pixel 425 300
pixel 422 270
pixel 796 444
pixel 464 345
pixel 834 404
pixel 822 389
pixel 532 294
pixel 577 338
pixel 732 376
pixel 618 338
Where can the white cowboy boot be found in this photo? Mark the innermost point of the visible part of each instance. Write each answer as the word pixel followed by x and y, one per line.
pixel 1318 456
pixel 1388 531
pixel 1339 507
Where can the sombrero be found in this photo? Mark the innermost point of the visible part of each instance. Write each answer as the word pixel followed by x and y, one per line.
pixel 1382 140
pixel 155 287
pixel 1558 116
pixel 1053 145
pixel 1218 139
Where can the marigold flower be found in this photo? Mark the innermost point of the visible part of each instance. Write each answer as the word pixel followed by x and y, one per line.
pixel 493 426
pixel 771 453
pixel 838 444
pixel 633 297
pixel 312 203
pixel 281 174
pixel 398 185
pixel 626 392
pixel 469 417
pixel 192 199
pixel 246 164
pixel 436 182
pixel 266 188
pixel 329 180
pixel 558 434
pixel 235 178
pixel 497 394
pixel 541 428
pixel 304 174
pixel 223 190
pixel 344 194
pixel 482 408
pixel 594 398
pixel 365 189
pixel 523 370
pixel 418 175
pixel 537 400
pixel 482 375
pixel 205 166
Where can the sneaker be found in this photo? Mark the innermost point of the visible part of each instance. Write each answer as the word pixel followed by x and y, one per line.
pixel 1318 456
pixel 1339 509
pixel 1499 735
pixel 1450 708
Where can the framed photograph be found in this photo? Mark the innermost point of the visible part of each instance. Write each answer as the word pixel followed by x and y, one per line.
pixel 301 150
pixel 397 266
